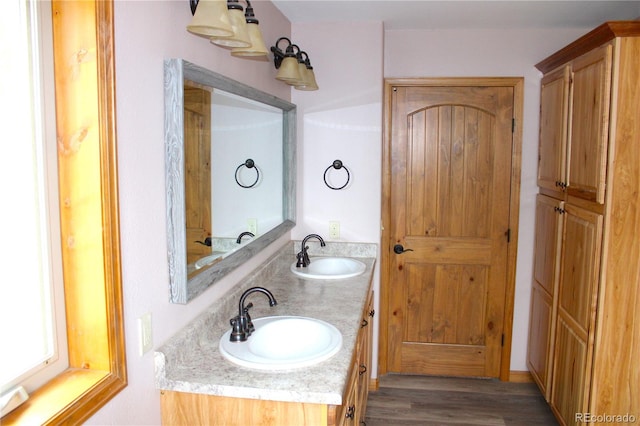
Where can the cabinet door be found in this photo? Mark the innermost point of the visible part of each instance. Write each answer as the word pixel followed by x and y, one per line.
pixel 577 298
pixel 364 358
pixel 591 87
pixel 554 106
pixel 548 240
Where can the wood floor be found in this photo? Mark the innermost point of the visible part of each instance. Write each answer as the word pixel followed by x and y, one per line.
pixel 425 401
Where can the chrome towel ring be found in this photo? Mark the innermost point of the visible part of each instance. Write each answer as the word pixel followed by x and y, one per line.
pixel 337 164
pixel 249 164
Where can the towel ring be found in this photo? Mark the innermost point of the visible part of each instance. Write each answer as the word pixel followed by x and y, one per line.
pixel 337 164
pixel 249 164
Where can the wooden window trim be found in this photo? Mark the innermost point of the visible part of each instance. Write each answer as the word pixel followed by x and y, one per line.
pixel 83 37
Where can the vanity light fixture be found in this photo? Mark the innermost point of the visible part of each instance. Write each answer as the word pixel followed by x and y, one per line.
pixel 257 48
pixel 240 37
pixel 306 71
pixel 210 19
pixel 225 24
pixel 293 68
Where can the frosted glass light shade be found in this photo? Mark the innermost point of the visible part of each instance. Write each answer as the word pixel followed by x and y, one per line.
pixel 309 81
pixel 288 71
pixel 211 19
pixel 240 37
pixel 257 48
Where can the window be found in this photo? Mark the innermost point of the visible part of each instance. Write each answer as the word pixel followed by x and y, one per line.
pixel 88 217
pixel 32 270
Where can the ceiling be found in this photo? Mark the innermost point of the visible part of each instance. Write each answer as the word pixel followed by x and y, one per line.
pixel 433 14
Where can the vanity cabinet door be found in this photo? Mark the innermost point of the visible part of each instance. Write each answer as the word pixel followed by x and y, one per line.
pixel 364 358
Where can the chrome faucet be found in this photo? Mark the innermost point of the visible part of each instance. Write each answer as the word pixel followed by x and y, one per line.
pixel 241 325
pixel 239 239
pixel 303 256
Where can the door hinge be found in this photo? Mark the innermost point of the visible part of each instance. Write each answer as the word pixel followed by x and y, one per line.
pixel 502 340
pixel 513 125
pixel 508 234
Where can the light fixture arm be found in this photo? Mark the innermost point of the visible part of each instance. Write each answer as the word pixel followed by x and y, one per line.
pixel 193 4
pixel 279 55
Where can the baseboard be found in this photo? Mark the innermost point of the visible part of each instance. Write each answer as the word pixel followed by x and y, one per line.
pixel 520 377
pixel 374 384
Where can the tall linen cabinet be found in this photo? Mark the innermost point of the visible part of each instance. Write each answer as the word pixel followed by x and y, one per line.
pixel 584 334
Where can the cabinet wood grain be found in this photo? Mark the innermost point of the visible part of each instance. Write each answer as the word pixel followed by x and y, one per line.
pixel 593 341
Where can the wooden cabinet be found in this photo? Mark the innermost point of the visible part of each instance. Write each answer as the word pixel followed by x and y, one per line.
pixel 182 408
pixel 574 111
pixel 585 306
pixel 352 412
pixel 548 240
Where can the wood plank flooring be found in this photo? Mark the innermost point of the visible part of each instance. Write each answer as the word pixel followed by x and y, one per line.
pixel 426 401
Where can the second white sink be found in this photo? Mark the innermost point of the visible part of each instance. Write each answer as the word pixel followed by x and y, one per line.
pixel 283 343
pixel 330 268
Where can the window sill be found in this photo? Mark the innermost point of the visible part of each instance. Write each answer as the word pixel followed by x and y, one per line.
pixel 71 398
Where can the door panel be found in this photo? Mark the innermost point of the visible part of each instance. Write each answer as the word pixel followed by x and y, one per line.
pixel 589 124
pixel 552 152
pixel 450 197
pixel 546 271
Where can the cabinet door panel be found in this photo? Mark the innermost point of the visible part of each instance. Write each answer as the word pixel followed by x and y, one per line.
pixel 554 101
pixel 591 85
pixel 540 337
pixel 580 265
pixel 568 387
pixel 548 238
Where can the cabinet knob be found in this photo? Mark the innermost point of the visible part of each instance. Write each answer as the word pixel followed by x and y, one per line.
pixel 363 369
pixel 351 412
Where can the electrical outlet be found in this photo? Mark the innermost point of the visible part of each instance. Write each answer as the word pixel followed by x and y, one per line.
pixel 334 229
pixel 146 335
pixel 252 226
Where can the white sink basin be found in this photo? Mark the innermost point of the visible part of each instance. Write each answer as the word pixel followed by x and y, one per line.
pixel 330 268
pixel 283 343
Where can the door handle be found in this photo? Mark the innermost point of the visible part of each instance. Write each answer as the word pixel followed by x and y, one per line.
pixel 398 249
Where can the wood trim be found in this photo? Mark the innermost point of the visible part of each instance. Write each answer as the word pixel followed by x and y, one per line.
pixel 597 37
pixel 518 84
pixel 514 220
pixel 520 377
pixel 93 283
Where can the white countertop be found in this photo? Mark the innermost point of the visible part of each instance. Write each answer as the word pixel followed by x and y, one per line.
pixel 191 362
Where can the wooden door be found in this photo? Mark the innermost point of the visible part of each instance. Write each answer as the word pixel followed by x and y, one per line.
pixel 554 107
pixel 546 271
pixel 197 159
pixel 451 159
pixel 591 86
pixel 577 299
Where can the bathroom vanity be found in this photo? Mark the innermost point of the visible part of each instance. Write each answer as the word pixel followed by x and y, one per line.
pixel 198 386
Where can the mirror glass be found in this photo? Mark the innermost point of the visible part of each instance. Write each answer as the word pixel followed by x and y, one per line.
pixel 230 153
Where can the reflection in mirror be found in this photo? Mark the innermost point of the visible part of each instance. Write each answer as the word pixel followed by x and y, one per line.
pixel 230 153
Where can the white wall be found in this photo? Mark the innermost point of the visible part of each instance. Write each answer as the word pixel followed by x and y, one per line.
pixel 147 32
pixel 341 121
pixel 481 53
